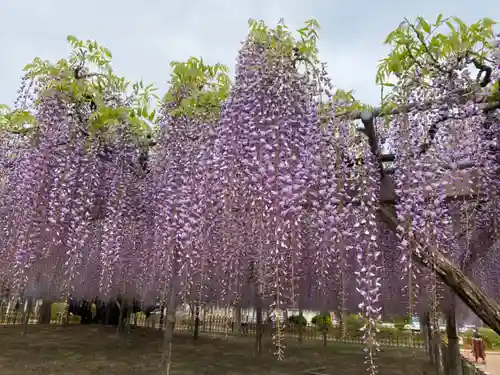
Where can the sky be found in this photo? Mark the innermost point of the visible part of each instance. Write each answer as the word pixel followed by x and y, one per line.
pixel 145 36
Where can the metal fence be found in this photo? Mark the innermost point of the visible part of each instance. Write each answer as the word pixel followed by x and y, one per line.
pixel 224 325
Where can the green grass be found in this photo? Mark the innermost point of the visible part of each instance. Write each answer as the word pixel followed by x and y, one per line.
pixel 86 350
pixel 491 338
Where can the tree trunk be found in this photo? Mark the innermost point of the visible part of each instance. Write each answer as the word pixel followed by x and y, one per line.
pixel 108 313
pixel 121 319
pixel 169 329
pixel 196 332
pixel 484 307
pixel 129 322
pixel 436 349
pixel 162 318
pixel 342 323
pixel 426 325
pixel 28 307
pixel 45 314
pixel 135 319
pixel 2 314
pixel 301 327
pixel 454 356
pixel 451 275
pixel 259 293
pixel 237 318
pixel 67 314
pixel 325 314
pixel 258 329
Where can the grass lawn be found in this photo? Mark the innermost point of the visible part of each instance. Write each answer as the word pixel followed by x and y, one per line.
pixel 93 350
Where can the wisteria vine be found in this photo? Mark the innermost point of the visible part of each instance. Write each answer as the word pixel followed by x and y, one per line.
pixel 260 192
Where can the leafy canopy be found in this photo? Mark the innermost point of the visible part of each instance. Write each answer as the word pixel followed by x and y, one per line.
pixel 197 89
pixel 420 45
pixel 280 41
pixel 87 78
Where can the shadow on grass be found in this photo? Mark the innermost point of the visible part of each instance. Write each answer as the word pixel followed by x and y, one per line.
pixel 86 350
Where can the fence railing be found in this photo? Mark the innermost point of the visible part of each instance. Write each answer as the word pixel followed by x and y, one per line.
pixel 223 325
pixel 468 368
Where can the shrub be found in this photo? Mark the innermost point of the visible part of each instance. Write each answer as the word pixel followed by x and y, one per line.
pixel 491 338
pixel 141 316
pixel 400 325
pixel 298 320
pixel 400 322
pixel 354 322
pixel 393 333
pixel 57 311
pixel 319 321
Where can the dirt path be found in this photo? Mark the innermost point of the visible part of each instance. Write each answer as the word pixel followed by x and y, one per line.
pixel 492 366
pixel 98 350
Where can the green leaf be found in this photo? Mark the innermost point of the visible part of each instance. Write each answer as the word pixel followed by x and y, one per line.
pixel 71 39
pixel 451 26
pixel 439 19
pixel 425 26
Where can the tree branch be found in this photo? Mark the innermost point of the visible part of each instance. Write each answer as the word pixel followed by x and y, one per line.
pixel 421 39
pixel 451 275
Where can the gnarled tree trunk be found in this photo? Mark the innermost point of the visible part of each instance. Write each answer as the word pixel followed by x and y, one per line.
pixel 451 275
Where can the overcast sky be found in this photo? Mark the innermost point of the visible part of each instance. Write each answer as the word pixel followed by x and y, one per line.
pixel 144 36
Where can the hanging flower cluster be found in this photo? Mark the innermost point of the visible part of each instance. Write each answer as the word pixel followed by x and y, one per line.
pixel 258 193
pixel 443 147
pixel 72 196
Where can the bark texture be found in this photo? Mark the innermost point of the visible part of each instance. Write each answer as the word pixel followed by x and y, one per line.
pixel 451 275
pixel 454 356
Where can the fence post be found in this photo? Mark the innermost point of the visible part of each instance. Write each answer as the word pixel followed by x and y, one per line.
pixel 428 335
pixel 445 358
pixel 301 328
pixel 438 354
pixel 468 368
pixel 454 356
pixel 465 367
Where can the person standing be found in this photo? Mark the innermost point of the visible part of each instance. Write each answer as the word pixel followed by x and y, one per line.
pixel 478 346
